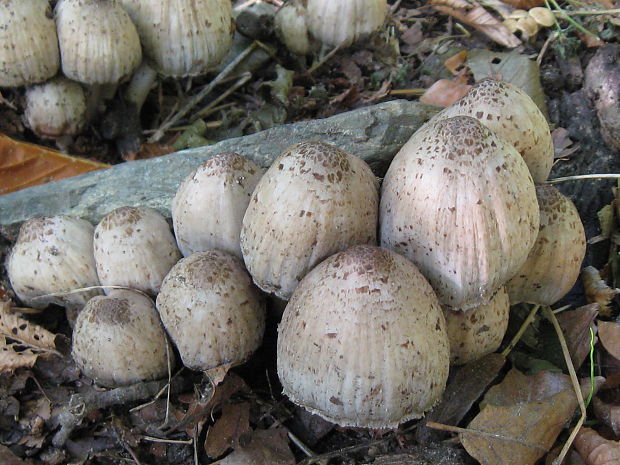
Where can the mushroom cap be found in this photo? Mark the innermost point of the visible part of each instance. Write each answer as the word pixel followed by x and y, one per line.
pixel 56 108
pixel 512 115
pixel 343 22
pixel 29 51
pixel 182 38
pixel 363 340
pixel 477 331
pixel 119 340
pixel 209 205
pixel 99 43
pixel 314 200
pixel 135 248
pixel 292 28
pixel 460 203
pixel 211 310
pixel 53 254
pixel 554 263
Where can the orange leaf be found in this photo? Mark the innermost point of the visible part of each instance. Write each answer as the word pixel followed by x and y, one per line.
pixel 23 165
pixel 456 62
pixel 525 4
pixel 445 92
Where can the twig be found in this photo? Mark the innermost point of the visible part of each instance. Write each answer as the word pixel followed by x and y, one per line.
pixel 168 441
pixel 407 91
pixel 552 37
pixel 81 405
pixel 579 177
pixel 323 60
pixel 302 447
pixel 245 77
pixel 573 376
pixel 614 11
pixel 517 337
pixel 202 94
pixel 558 10
pixel 86 289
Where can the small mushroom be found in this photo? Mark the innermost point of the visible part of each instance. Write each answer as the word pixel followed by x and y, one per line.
pixel 363 340
pixel 292 28
pixel 212 311
pixel 313 201
pixel 209 205
pixel 119 340
pixel 479 331
pixel 135 248
pixel 554 263
pixel 460 203
pixel 342 22
pixel 29 52
pixel 512 115
pixel 53 255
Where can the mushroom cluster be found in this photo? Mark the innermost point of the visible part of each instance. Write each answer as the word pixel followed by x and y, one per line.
pixel 368 333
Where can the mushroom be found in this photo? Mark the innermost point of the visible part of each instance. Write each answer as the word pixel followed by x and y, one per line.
pixel 29 52
pixel 209 205
pixel 292 28
pixel 313 201
pixel 53 254
pixel 56 108
pixel 553 264
pixel 479 331
pixel 512 115
pixel 135 248
pixel 119 340
pixel 363 341
pixel 212 311
pixel 340 23
pixel 460 203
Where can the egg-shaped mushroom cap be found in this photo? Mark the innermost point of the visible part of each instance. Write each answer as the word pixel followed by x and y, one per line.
pixel 29 52
pixel 211 310
pixel 478 331
pixel 461 204
pixel 292 28
pixel 554 263
pixel 209 205
pixel 363 340
pixel 119 340
pixel 345 21
pixel 99 43
pixel 53 254
pixel 134 247
pixel 314 200
pixel 511 114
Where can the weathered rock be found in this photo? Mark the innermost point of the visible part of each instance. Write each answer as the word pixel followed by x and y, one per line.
pixel 374 133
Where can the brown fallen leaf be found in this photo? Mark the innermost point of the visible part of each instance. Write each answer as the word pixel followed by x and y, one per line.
pixel 597 290
pixel 562 142
pixel 268 446
pixel 520 418
pixel 608 414
pixel 23 165
pixel 595 449
pixel 609 334
pixel 524 4
pixel 576 325
pixel 456 62
pixel 445 92
pixel 8 458
pixel 228 429
pixel 473 14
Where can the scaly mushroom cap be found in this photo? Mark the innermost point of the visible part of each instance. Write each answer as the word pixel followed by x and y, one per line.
pixel 98 42
pixel 460 202
pixel 211 310
pixel 553 264
pixel 135 248
pixel 292 29
pixel 363 341
pixel 56 108
pixel 53 254
pixel 345 21
pixel 512 115
pixel 29 51
pixel 314 200
pixel 182 38
pixel 119 340
pixel 478 331
pixel 209 205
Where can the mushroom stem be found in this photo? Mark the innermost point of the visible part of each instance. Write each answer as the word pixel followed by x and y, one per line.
pixel 140 85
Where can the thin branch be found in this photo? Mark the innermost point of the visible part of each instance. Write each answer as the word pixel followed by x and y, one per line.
pixel 517 337
pixel 579 177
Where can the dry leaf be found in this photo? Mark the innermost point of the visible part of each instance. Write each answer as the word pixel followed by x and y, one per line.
pixel 608 414
pixel 609 334
pixel 596 450
pixel 24 332
pixel 562 142
pixel 455 63
pixel 267 447
pixel 24 165
pixel 521 419
pixel 597 291
pixel 225 433
pixel 525 4
pixel 576 325
pixel 471 13
pixel 445 92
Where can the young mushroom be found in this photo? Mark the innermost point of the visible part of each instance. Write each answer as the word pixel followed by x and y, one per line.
pixel 313 201
pixel 212 311
pixel 460 203
pixel 292 28
pixel 53 255
pixel 554 263
pixel 209 205
pixel 363 341
pixel 119 340
pixel 135 248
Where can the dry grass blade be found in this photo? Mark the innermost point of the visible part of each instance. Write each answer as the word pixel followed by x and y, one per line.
pixel 473 14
